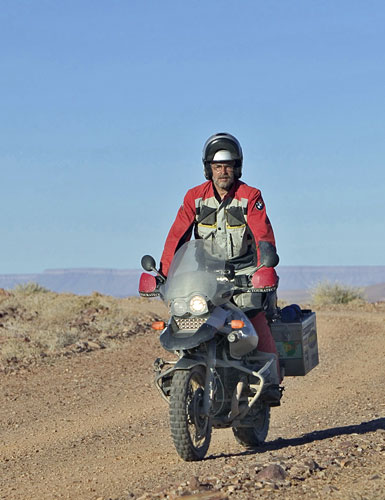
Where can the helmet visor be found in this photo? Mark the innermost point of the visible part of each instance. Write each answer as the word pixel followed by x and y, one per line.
pixel 222 146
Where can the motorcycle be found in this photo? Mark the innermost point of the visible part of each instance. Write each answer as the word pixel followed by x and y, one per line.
pixel 219 377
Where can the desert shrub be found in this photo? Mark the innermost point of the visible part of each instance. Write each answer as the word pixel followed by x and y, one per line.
pixel 327 293
pixel 56 339
pixel 28 288
pixel 17 349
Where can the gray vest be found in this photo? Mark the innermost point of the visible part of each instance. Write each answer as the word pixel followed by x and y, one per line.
pixel 226 221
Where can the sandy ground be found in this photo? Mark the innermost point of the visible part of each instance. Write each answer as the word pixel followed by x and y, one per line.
pixel 92 426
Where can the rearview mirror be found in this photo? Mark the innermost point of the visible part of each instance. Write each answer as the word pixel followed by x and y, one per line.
pixel 148 263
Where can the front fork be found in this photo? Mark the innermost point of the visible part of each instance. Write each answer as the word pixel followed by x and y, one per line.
pixel 208 362
pixel 208 395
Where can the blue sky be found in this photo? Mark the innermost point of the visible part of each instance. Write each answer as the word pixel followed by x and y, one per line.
pixel 105 106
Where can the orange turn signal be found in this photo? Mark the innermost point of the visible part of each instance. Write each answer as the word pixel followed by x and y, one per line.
pixel 158 325
pixel 236 324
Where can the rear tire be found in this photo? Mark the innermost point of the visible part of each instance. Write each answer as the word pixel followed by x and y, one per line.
pixel 253 437
pixel 190 430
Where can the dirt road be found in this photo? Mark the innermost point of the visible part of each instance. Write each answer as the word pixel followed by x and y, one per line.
pixel 92 426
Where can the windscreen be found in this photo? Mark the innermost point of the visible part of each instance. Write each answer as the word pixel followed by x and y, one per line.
pixel 198 267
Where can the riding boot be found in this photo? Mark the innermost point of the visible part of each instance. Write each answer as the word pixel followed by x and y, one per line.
pixel 266 345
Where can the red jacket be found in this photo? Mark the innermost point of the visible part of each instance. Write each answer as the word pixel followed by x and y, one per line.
pixel 239 219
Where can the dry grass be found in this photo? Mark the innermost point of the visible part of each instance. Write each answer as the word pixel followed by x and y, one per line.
pixel 36 323
pixel 327 293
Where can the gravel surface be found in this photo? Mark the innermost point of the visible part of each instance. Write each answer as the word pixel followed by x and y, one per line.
pixel 92 426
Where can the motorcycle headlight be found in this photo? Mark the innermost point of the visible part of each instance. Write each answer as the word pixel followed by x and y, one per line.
pixel 178 307
pixel 198 305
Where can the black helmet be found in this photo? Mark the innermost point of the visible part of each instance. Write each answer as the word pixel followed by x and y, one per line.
pixel 226 143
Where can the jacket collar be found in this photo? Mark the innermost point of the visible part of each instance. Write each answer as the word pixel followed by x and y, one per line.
pixel 230 194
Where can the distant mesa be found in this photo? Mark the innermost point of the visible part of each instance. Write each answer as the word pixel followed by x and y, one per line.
pixel 294 283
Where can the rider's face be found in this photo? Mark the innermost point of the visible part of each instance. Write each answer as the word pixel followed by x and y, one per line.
pixel 223 174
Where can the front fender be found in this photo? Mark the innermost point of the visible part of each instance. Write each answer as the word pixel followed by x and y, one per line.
pixel 163 379
pixel 188 363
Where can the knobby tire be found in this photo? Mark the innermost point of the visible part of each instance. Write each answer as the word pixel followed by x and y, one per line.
pixel 191 432
pixel 253 437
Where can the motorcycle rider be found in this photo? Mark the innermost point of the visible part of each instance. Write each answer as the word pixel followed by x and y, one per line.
pixel 234 214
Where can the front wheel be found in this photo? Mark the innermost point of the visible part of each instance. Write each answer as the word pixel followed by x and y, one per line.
pixel 254 436
pixel 190 429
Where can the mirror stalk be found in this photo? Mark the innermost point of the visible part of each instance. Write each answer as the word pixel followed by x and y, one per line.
pixel 148 263
pixel 160 274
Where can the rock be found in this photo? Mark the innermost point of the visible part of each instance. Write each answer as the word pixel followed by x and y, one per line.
pixel 272 472
pixel 329 489
pixel 91 311
pixel 93 345
pixel 145 496
pixel 229 469
pixel 205 495
pixel 312 465
pixel 78 346
pixel 194 483
pixel 346 444
pixel 344 462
